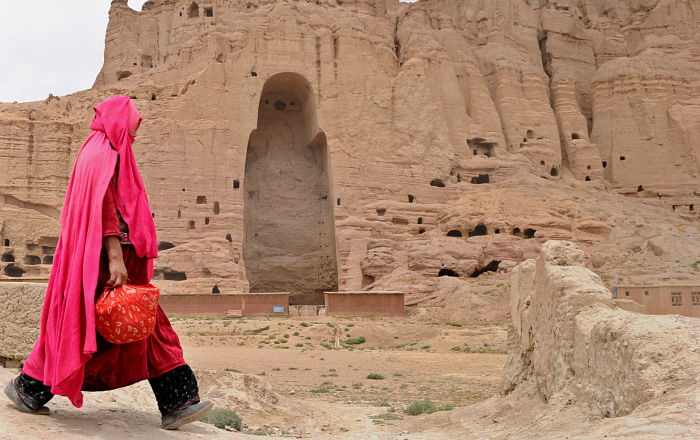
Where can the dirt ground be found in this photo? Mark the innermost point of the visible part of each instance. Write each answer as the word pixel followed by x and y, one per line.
pixel 450 363
pixel 288 377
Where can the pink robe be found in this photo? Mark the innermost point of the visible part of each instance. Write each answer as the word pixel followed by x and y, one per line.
pixel 68 339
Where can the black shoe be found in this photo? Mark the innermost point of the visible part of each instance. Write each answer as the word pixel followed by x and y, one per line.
pixel 18 403
pixel 190 414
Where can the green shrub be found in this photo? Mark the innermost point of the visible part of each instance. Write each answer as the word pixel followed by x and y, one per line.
pixel 375 376
pixel 305 324
pixel 356 341
pixel 425 406
pixel 222 417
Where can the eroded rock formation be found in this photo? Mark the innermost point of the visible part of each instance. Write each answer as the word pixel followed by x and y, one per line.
pixel 337 140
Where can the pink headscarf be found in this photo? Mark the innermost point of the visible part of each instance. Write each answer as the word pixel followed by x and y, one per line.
pixel 68 337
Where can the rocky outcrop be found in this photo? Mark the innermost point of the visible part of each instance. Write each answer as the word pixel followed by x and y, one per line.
pixel 571 346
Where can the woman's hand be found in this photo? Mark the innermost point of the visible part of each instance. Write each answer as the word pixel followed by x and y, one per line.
pixel 117 273
pixel 117 269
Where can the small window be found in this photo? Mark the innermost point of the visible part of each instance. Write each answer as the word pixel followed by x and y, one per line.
pixel 381 211
pixel 411 198
pixel 337 202
pixel 695 298
pixel 646 293
pixel 206 220
pixel 208 12
pixel 627 294
pixel 191 224
pixel 622 157
pixel 236 184
pixel 7 242
pixel 605 164
pixel 676 299
pixel 229 238
pixel 201 200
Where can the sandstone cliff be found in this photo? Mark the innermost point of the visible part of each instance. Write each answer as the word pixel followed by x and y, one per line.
pixel 304 146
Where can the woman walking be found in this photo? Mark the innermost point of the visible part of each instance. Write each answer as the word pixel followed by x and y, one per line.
pixel 107 237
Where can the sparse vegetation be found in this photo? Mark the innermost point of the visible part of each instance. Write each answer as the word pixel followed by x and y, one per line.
pixel 325 387
pixel 222 417
pixel 257 331
pixel 386 416
pixel 356 341
pixel 485 348
pixel 375 376
pixel 425 406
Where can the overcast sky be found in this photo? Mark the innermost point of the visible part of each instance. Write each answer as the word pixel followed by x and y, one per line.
pixel 51 46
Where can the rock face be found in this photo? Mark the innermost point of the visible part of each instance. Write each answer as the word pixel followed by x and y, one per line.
pixel 569 345
pixel 325 141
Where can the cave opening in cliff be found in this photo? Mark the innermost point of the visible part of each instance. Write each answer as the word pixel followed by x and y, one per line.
pixel 454 233
pixel 289 232
pixel 8 258
pixel 479 230
pixel 447 273
pixel 491 267
pixel 32 260
pixel 480 146
pixel 480 179
pixel 13 271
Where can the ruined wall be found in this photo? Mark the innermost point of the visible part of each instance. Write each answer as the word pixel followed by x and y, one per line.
pixel 570 345
pixel 419 105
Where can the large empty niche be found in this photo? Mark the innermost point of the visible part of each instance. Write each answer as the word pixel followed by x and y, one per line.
pixel 289 242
